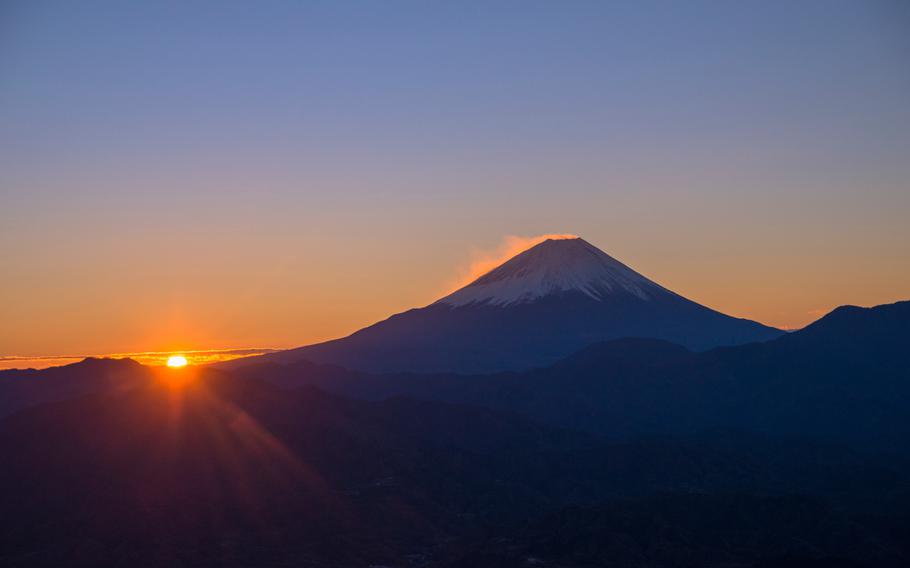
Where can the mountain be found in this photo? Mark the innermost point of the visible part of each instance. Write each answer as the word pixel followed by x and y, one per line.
pixel 840 379
pixel 541 305
pixel 21 388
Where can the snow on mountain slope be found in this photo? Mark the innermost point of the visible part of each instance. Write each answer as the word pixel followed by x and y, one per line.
pixel 554 266
pixel 539 306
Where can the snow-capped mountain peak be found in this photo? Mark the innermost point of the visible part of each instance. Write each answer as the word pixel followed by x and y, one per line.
pixel 561 296
pixel 551 267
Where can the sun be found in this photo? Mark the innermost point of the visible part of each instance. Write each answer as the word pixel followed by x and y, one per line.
pixel 176 361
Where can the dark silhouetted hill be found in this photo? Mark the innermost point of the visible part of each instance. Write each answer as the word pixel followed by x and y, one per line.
pixel 21 388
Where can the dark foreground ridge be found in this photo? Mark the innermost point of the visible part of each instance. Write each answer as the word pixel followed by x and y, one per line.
pixel 226 471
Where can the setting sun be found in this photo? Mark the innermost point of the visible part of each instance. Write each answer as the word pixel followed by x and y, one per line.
pixel 176 361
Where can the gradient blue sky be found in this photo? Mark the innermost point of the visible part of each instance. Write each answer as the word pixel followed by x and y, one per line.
pixel 179 175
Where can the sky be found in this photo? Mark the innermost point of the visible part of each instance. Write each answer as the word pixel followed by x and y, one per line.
pixel 220 175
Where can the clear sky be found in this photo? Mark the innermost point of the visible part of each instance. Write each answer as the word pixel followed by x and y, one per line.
pixel 201 175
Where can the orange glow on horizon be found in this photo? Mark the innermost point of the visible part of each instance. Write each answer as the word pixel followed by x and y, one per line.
pixel 284 307
pixel 176 361
pixel 150 358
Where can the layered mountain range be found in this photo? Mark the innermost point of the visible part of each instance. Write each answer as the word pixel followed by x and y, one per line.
pixel 631 452
pixel 616 423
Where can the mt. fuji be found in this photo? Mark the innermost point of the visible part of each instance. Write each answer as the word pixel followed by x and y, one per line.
pixel 541 305
pixel 552 267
